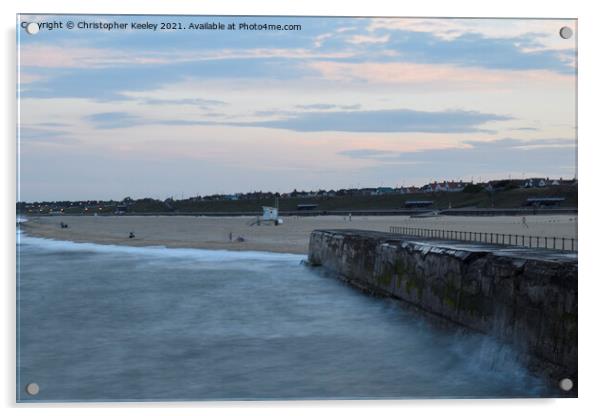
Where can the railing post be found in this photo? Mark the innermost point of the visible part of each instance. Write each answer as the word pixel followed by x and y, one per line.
pixel 554 242
pixel 523 241
pixel 545 239
pixel 529 241
pixel 572 245
pixel 562 243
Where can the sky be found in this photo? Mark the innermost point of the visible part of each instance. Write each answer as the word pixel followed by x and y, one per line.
pixel 343 102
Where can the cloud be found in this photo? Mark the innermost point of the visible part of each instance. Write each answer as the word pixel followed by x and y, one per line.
pixel 389 51
pixel 320 106
pixel 402 120
pixel 509 143
pixel 133 82
pixel 114 120
pixel 446 75
pixel 543 31
pixel 369 121
pixel 41 134
pixel 198 102
pixel 479 43
pixel 361 39
pixel 317 106
pixel 474 50
pixel 69 56
pixel 525 129
pixel 547 156
pixel 369 154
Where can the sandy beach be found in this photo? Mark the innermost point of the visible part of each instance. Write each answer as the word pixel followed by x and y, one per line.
pixel 290 237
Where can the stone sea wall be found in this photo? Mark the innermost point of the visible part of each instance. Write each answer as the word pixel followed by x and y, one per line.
pixel 522 296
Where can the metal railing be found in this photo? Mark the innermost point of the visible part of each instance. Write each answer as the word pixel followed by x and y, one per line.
pixel 551 243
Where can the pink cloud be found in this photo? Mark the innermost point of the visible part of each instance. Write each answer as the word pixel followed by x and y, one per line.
pixel 26 77
pixel 44 56
pixel 360 39
pixel 410 73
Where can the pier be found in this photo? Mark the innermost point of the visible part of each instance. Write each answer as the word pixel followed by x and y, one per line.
pixel 526 297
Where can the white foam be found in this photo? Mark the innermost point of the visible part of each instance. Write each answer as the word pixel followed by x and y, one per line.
pixel 159 251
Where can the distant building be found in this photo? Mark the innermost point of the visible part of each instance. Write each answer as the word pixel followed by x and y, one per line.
pixel 455 186
pixel 367 191
pixel 535 183
pixel 384 190
pixel 444 186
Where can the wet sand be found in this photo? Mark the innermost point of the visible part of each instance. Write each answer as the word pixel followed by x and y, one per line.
pixel 290 237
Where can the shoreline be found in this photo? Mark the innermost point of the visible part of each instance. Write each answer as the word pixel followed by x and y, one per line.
pixel 158 249
pixel 31 232
pixel 242 234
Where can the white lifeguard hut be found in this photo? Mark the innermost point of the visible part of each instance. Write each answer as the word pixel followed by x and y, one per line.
pixel 270 214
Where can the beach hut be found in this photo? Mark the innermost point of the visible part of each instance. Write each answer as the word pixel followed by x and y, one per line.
pixel 270 214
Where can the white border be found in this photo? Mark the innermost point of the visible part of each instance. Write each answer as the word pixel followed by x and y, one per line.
pixel 589 148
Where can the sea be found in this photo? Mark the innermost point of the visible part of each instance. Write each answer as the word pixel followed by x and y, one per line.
pixel 119 323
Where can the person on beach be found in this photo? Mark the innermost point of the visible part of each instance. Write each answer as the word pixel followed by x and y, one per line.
pixel 525 222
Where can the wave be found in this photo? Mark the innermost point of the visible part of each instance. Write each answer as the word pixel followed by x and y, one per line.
pixel 205 255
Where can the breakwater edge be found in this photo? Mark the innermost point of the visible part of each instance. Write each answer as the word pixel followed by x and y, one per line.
pixel 524 297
